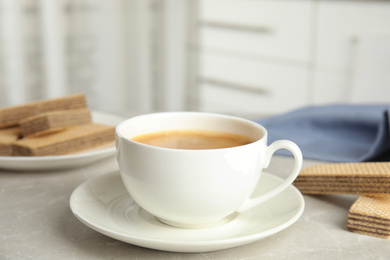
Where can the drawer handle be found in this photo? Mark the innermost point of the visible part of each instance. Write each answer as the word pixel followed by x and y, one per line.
pixel 235 86
pixel 237 27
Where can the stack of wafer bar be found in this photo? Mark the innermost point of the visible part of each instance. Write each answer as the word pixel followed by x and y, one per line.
pixel 51 127
pixel 345 178
pixel 370 215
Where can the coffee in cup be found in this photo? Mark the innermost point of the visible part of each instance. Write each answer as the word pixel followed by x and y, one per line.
pixel 193 139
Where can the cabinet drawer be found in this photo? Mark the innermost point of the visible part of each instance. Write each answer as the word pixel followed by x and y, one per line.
pixel 279 29
pixel 239 86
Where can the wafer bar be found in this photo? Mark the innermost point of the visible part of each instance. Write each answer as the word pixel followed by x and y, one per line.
pixel 370 215
pixel 355 220
pixel 54 121
pixel 10 116
pixel 7 137
pixel 345 178
pixel 72 140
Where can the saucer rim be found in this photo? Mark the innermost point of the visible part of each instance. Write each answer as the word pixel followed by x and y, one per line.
pixel 186 245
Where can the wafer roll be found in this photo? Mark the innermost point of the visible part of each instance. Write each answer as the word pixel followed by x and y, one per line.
pixel 10 116
pixel 370 215
pixel 7 137
pixel 72 140
pixel 54 121
pixel 345 178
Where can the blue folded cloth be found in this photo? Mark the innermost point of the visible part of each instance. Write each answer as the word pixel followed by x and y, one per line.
pixel 336 133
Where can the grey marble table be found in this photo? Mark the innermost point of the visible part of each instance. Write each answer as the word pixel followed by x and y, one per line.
pixel 36 223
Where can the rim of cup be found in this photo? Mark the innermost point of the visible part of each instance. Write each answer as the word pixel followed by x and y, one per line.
pixel 261 134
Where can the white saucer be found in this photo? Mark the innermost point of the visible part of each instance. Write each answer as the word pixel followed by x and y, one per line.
pixel 62 162
pixel 104 205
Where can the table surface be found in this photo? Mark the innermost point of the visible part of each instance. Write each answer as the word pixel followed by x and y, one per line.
pixel 36 223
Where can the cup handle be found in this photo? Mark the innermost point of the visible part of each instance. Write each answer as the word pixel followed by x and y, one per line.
pixel 280 144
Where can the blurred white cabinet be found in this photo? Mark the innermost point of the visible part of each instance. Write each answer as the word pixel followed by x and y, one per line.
pixel 352 61
pixel 260 57
pixel 254 56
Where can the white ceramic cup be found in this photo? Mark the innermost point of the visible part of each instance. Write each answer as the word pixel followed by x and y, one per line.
pixel 196 188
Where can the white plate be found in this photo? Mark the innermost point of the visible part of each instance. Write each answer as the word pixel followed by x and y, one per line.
pixel 104 205
pixel 59 162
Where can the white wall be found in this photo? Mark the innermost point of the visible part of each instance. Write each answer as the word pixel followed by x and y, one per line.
pixel 126 55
